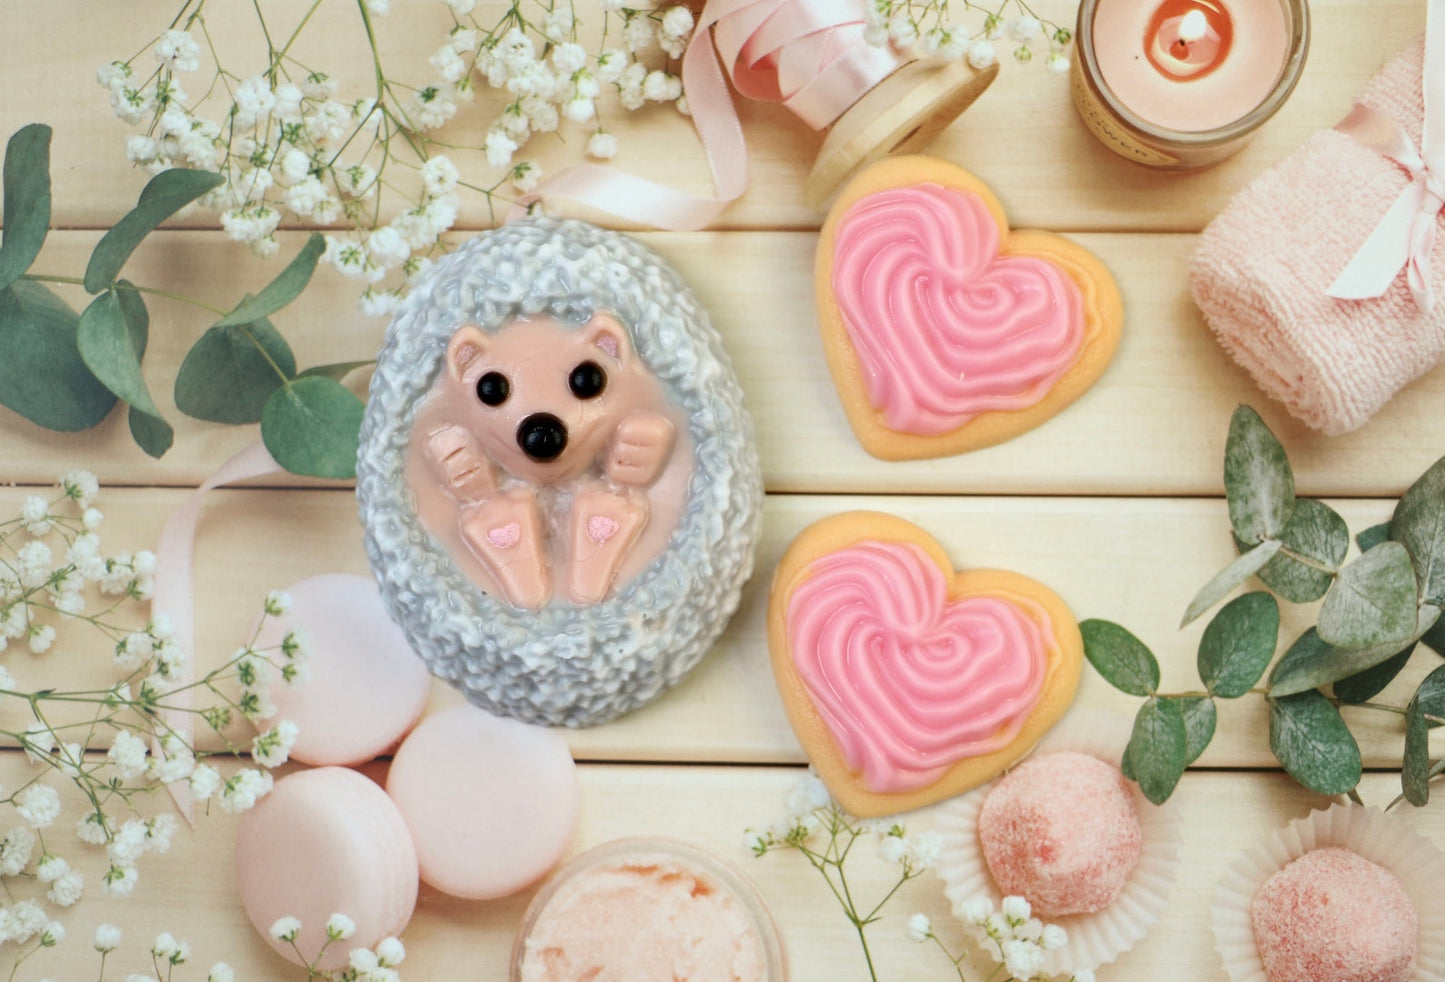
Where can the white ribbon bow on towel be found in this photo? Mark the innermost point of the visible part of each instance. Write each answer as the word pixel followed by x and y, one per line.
pixel 1405 237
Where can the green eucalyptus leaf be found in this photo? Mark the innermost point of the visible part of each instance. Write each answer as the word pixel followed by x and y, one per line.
pixel 1365 685
pixel 1419 525
pixel 137 318
pixel 27 200
pixel 1319 663
pixel 107 338
pixel 1312 742
pixel 337 370
pixel 1238 644
pixel 1158 750
pixel 1435 637
pixel 1298 669
pixel 1373 601
pixel 1200 719
pixel 1426 708
pixel 228 374
pixel 42 376
pixel 1257 479
pixel 1126 768
pixel 1317 532
pixel 1233 575
pixel 312 426
pixel 153 434
pixel 1123 660
pixel 1373 536
pixel 287 286
pixel 167 193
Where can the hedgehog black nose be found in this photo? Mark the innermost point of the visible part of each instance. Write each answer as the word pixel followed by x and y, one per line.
pixel 542 436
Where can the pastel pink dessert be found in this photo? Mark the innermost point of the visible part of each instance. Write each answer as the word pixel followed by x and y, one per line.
pixel 1061 831
pixel 1334 916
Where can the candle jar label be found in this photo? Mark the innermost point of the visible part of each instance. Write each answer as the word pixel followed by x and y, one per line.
pixel 1108 130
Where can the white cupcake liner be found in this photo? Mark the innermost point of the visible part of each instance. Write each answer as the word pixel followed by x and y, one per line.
pixel 1094 939
pixel 1386 840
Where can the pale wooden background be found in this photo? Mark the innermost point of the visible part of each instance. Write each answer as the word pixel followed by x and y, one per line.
pixel 1115 504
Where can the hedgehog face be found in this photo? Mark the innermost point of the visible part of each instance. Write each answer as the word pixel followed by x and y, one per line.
pixel 543 399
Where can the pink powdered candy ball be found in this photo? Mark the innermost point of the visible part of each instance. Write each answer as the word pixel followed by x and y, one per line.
pixel 326 841
pixel 491 802
pixel 1334 916
pixel 1061 831
pixel 366 687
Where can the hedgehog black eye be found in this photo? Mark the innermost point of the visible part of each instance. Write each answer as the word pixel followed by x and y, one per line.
pixel 493 388
pixel 587 380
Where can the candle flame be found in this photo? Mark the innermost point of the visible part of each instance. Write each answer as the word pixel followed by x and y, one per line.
pixel 1193 26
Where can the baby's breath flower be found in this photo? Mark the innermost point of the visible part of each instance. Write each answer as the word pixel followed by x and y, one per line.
pixel 1057 64
pixel 119 881
pixel 1053 937
pixel 390 952
pixel 286 929
pixel 981 55
pixel 15 850
pixel 1016 910
pixel 107 938
pixel 339 927
pixel 272 748
pixel 920 928
pixel 38 805
pixel 602 145
pixel 221 972
pixel 1023 959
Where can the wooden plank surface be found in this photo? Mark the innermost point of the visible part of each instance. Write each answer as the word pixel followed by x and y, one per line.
pixel 1115 504
pixel 1021 136
pixel 190 891
pixel 1154 424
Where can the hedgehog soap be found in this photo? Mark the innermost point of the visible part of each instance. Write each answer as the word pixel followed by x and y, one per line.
pixel 559 484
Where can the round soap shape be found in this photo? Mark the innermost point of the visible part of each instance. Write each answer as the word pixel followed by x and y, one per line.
pixel 363 687
pixel 491 802
pixel 558 481
pixel 1333 916
pixel 1060 830
pixel 326 841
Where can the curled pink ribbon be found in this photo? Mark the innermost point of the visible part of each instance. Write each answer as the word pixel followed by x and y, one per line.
pixel 1405 237
pixel 810 55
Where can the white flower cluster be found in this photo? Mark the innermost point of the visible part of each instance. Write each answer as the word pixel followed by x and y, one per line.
pixel 166 953
pixel 1020 938
pixel 376 964
pixel 286 144
pixel 922 28
pixel 49 555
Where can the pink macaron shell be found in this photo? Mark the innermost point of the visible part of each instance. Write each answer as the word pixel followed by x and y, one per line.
pixel 365 688
pixel 326 841
pixel 491 802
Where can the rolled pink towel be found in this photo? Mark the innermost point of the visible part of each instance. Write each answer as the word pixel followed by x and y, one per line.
pixel 1263 267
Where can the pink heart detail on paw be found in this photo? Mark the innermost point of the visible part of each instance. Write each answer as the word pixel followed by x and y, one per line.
pixel 943 326
pixel 908 681
pixel 505 536
pixel 600 528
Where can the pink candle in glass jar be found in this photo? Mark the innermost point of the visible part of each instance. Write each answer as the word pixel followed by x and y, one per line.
pixel 1178 83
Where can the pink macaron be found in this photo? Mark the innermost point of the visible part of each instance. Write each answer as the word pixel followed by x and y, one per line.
pixel 365 687
pixel 326 841
pixel 491 802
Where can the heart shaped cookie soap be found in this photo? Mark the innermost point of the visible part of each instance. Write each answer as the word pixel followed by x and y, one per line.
pixel 944 330
pixel 905 681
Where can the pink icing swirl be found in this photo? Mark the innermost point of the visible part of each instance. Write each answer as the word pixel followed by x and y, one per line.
pixel 944 327
pixel 908 682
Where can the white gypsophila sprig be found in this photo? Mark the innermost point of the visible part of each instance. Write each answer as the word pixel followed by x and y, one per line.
pixel 925 28
pixel 54 573
pixel 289 145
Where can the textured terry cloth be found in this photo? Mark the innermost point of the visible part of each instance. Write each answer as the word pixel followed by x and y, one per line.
pixel 1263 266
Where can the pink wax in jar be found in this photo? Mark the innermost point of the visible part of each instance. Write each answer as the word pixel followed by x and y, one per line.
pixel 1181 83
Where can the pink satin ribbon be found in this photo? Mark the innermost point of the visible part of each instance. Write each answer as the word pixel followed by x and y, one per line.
pixel 175 590
pixel 809 55
pixel 1405 237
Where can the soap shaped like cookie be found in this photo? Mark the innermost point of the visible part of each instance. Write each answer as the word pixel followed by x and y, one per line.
pixel 558 481
pixel 907 682
pixel 944 330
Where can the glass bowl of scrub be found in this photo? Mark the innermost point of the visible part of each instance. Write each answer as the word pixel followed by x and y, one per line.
pixel 646 908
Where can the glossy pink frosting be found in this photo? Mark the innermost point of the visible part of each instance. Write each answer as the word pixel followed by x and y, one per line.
pixel 944 327
pixel 907 681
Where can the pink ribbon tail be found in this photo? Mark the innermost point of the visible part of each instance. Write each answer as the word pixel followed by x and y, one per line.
pixel 174 595
pixel 1405 237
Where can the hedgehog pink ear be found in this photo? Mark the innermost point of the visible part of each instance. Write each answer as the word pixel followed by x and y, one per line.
pixel 465 347
pixel 607 334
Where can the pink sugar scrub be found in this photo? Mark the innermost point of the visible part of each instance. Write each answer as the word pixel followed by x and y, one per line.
pixel 637 910
pixel 1333 916
pixel 1060 829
